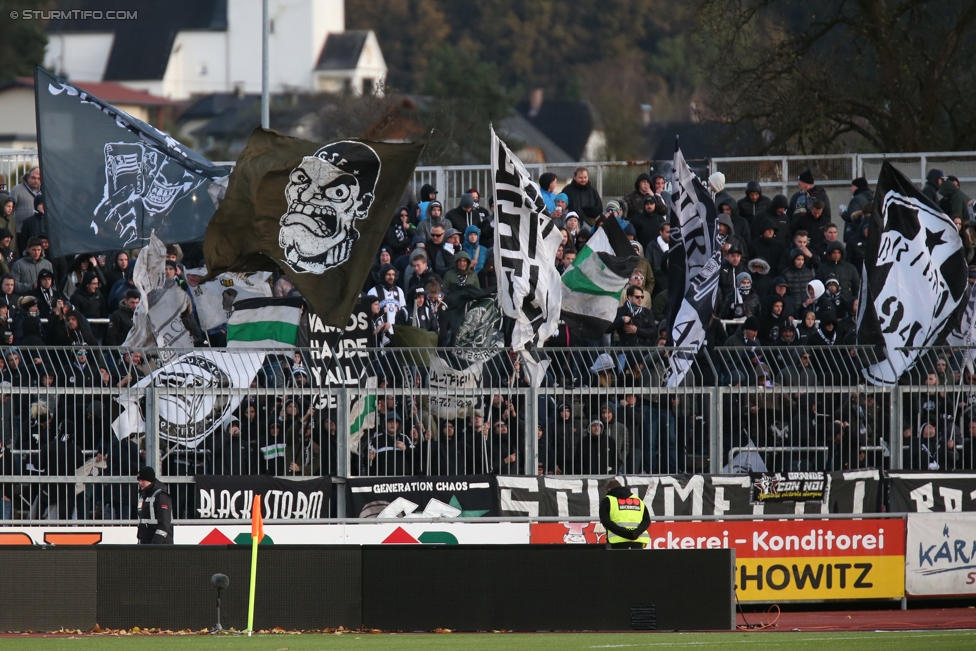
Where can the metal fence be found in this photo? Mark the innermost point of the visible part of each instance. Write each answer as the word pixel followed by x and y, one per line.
pixel 614 179
pixel 15 163
pixel 778 174
pixel 76 424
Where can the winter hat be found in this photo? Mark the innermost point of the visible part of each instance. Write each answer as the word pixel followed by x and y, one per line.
pixel 602 363
pixel 743 275
pixel 467 201
pixel 5 232
pixel 779 281
pixel 860 183
pixel 38 200
pixel 752 323
pixel 806 176
pixel 146 474
pixel 832 279
pixel 636 246
pixel 546 179
pixel 562 197
pixel 650 198
pixel 26 302
pixel 87 278
pixel 614 205
pixel 417 239
pixel 419 253
pixel 45 273
pixel 818 288
pixel 643 176
pixel 630 230
pixel 717 181
pixel 169 263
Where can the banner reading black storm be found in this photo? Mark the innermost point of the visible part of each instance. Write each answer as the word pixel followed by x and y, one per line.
pixel 231 497
pixel 468 496
pixel 846 492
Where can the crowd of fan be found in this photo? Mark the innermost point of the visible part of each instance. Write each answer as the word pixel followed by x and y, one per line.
pixel 788 285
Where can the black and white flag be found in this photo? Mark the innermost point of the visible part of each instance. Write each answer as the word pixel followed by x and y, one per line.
pixel 111 179
pixel 526 240
pixel 914 278
pixel 695 260
pixel 964 335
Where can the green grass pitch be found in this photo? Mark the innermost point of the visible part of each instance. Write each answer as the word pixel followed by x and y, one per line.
pixel 766 641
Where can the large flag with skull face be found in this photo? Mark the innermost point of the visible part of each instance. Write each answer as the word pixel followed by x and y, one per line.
pixel 318 211
pixel 914 280
pixel 111 179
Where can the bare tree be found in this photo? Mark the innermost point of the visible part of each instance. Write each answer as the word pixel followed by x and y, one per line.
pixel 896 75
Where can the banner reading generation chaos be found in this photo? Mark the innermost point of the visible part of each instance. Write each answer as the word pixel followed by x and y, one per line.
pixel 468 496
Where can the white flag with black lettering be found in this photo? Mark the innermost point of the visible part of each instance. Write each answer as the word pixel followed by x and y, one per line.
pixel 526 240
pixel 914 278
pixel 695 260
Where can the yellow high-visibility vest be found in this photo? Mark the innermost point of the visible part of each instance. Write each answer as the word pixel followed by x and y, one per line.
pixel 627 512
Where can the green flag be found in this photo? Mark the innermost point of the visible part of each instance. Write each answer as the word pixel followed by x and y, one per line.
pixel 318 211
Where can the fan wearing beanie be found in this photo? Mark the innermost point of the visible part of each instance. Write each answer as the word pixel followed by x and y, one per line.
pixel 808 192
pixel 155 510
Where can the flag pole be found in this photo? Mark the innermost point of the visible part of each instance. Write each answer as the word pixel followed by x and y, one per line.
pixel 257 533
pixel 265 36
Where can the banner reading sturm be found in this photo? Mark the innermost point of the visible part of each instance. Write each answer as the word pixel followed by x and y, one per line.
pixel 230 497
pixel 846 492
pixel 469 496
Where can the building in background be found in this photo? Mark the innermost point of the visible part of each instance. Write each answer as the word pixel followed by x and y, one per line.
pixel 183 48
pixel 18 128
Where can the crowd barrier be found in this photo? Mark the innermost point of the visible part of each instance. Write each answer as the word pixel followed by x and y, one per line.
pixel 473 588
pixel 78 423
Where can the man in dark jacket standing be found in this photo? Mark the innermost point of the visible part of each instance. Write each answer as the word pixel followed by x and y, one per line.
pixel 634 324
pixel 625 517
pixel 753 205
pixel 932 182
pixel 155 510
pixel 120 322
pixel 808 192
pixel 861 196
pixel 583 198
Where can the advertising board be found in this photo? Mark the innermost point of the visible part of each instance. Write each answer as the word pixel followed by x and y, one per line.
pixel 776 560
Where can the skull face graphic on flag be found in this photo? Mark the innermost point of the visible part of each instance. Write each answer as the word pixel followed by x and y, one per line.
pixel 110 179
pixel 141 185
pixel 914 280
pixel 326 194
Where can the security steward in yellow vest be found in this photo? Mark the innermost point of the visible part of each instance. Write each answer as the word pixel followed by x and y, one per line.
pixel 625 517
pixel 155 510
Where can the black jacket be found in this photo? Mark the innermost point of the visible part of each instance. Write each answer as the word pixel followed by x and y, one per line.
pixel 155 515
pixel 119 325
pixel 584 200
pixel 646 334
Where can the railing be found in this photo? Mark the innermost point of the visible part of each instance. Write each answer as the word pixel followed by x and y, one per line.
pixel 614 179
pixel 76 427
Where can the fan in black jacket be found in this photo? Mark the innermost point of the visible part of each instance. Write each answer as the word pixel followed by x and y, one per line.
pixel 634 324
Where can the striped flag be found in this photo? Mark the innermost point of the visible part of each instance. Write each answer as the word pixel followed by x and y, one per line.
pixel 594 283
pixel 264 323
pixel 694 266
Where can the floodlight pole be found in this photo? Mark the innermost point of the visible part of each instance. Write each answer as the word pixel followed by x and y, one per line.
pixel 265 35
